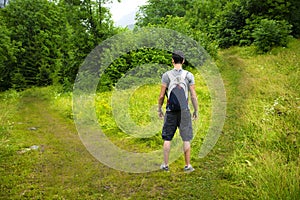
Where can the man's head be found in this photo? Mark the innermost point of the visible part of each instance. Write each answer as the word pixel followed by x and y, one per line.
pixel 178 57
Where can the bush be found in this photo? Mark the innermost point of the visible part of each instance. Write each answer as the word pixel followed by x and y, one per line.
pixel 271 33
pixel 182 25
pixel 120 67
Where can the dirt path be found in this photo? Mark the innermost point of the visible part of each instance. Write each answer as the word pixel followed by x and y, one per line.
pixel 60 158
pixel 62 168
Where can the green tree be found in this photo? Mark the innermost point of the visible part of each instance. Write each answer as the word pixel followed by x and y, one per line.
pixel 155 10
pixel 294 17
pixel 182 25
pixel 89 23
pixel 54 37
pixel 8 49
pixel 238 19
pixel 90 20
pixel 230 23
pixel 183 16
pixel 40 27
pixel 204 12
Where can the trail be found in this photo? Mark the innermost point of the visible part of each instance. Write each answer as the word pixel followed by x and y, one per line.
pixel 61 157
pixel 62 168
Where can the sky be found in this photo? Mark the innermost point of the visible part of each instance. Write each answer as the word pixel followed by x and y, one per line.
pixel 2 2
pixel 123 13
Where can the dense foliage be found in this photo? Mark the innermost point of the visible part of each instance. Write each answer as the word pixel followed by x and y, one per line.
pixel 45 42
pixel 226 22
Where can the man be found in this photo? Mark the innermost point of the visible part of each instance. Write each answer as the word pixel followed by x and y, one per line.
pixel 177 118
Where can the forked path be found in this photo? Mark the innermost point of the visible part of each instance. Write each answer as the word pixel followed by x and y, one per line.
pixel 62 168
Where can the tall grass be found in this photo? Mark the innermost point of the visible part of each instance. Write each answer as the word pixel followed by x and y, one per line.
pixel 263 121
pixel 119 114
pixel 8 108
pixel 137 111
pixel 267 157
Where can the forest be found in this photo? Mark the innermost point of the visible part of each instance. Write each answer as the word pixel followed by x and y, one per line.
pixel 45 42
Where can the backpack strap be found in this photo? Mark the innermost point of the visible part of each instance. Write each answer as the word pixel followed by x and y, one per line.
pixel 177 80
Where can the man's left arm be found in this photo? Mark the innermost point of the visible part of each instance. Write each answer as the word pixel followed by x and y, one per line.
pixel 161 100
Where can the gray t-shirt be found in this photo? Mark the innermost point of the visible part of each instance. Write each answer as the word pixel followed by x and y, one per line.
pixel 190 80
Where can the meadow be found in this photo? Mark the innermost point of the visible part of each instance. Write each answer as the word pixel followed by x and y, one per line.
pixel 256 157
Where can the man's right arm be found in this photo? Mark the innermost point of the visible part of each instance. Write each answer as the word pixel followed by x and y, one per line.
pixel 194 101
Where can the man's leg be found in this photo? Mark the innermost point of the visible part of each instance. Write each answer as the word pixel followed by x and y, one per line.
pixel 187 152
pixel 166 147
pixel 169 129
pixel 186 133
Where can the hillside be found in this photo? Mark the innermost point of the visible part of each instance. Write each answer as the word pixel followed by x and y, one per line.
pixel 256 157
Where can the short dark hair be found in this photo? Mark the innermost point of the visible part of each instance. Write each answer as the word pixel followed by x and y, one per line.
pixel 178 57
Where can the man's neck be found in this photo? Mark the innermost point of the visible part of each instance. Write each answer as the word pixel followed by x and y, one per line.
pixel 178 66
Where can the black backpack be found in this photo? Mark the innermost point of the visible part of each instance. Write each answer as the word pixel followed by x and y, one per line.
pixel 177 92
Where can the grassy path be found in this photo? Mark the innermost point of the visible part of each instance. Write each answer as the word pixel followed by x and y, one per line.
pixel 55 165
pixel 63 169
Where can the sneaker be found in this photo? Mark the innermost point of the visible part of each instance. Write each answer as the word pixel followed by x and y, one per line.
pixel 164 168
pixel 188 168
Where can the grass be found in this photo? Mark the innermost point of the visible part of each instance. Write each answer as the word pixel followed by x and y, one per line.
pixel 266 156
pixel 136 113
pixel 257 156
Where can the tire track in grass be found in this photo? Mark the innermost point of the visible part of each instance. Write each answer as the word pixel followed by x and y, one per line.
pixel 236 82
pixel 61 168
pixel 65 170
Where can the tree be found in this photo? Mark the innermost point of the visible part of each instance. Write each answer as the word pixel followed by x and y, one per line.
pixel 294 17
pixel 8 49
pixel 155 10
pixel 239 18
pixel 89 23
pixel 54 37
pixel 40 28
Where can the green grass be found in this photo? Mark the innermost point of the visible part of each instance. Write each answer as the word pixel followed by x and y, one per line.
pixel 256 157
pixel 265 161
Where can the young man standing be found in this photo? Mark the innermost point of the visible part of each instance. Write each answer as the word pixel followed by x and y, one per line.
pixel 177 118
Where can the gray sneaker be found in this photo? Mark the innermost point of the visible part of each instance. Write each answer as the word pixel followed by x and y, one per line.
pixel 164 168
pixel 188 168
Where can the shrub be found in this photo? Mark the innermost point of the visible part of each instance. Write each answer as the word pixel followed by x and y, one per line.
pixel 271 33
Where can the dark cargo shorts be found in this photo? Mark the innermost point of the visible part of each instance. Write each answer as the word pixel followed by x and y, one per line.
pixel 182 120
